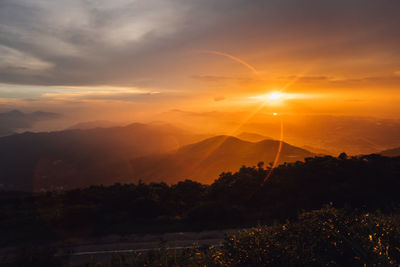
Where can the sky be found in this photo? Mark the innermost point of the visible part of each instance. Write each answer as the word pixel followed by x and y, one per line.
pixel 130 60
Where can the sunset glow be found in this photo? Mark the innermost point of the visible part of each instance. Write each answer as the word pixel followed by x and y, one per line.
pixel 163 64
pixel 277 97
pixel 247 126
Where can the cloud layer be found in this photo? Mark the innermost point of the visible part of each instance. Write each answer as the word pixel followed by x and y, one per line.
pixel 146 43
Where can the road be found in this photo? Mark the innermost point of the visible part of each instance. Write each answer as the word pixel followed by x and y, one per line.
pixel 101 249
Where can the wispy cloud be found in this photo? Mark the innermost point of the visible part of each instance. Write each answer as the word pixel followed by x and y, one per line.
pixel 102 93
pixel 17 61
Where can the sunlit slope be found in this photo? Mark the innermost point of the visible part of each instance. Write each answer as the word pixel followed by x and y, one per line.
pixel 205 160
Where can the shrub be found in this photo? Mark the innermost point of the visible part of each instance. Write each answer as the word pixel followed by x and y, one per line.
pixel 326 237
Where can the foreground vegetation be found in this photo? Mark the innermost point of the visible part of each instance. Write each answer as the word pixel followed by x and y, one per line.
pixel 351 187
pixel 326 237
pixel 240 199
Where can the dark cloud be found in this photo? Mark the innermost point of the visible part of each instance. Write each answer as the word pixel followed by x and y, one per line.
pixel 145 43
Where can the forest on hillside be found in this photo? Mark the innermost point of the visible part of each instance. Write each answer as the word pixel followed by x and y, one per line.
pixel 240 199
pixel 333 211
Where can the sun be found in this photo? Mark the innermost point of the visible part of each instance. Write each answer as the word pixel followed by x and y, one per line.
pixel 275 95
pixel 272 98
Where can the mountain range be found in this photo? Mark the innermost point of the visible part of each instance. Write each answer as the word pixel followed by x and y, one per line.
pixel 15 120
pixel 82 157
pixel 204 161
pixel 151 152
pixel 323 133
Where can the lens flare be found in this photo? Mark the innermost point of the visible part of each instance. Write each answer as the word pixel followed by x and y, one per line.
pixel 239 60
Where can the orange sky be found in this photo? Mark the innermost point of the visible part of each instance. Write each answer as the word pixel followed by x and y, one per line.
pixel 135 60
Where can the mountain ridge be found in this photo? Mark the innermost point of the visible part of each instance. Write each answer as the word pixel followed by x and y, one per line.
pixel 205 160
pixel 125 154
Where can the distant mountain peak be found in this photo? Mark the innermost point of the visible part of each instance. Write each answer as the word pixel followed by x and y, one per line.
pixel 15 120
pixel 252 137
pixel 92 124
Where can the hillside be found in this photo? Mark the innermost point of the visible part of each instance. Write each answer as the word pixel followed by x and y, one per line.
pixel 205 160
pixel 78 158
pixel 239 199
pixel 82 157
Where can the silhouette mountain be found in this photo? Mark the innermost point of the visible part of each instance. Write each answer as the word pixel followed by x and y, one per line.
pixel 394 152
pixel 205 160
pixel 15 120
pixel 74 158
pixel 93 124
pixel 151 152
